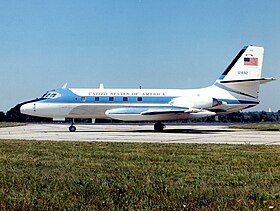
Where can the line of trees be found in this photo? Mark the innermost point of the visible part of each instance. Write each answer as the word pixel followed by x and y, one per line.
pixel 243 117
pixel 14 115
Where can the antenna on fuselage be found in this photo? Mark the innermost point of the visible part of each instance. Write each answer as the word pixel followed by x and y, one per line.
pixel 64 86
pixel 101 86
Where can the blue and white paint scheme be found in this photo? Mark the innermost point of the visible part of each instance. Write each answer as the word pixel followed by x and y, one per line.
pixel 236 89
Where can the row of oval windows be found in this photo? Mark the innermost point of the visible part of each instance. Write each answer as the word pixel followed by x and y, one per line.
pixel 111 99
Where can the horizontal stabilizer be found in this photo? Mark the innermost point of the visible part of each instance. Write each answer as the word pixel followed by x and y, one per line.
pixel 261 80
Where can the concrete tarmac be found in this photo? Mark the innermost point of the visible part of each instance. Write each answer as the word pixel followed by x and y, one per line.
pixel 141 133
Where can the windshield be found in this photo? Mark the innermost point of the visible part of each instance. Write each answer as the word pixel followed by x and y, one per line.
pixel 50 94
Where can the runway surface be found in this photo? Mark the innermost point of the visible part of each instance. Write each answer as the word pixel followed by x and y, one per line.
pixel 141 133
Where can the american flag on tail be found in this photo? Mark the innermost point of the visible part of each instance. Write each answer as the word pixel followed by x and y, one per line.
pixel 251 61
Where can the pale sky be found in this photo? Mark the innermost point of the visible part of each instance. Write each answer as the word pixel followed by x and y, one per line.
pixel 127 43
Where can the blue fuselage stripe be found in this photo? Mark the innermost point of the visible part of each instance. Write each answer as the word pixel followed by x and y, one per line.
pixel 115 99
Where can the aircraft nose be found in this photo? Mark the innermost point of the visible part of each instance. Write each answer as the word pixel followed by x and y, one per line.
pixel 28 108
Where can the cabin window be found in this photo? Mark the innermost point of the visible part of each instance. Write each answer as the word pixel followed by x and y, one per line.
pixel 139 99
pixel 125 99
pixel 96 99
pixel 111 99
pixel 83 99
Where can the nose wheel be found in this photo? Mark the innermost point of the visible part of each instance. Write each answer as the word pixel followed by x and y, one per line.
pixel 72 128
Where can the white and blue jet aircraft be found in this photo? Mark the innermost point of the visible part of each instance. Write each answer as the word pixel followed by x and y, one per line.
pixel 236 89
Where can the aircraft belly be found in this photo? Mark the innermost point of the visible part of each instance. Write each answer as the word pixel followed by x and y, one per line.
pixel 88 111
pixel 160 117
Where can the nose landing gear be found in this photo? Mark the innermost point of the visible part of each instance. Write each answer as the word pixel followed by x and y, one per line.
pixel 72 128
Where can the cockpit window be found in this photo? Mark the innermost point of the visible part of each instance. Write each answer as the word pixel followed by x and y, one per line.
pixel 45 95
pixel 50 95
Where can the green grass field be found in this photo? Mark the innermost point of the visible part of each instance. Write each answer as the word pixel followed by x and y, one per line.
pixel 259 126
pixel 10 124
pixel 129 176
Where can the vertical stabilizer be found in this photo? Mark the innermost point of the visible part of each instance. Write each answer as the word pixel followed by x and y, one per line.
pixel 243 75
pixel 246 65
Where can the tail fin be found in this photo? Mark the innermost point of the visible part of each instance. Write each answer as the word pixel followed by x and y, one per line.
pixel 243 75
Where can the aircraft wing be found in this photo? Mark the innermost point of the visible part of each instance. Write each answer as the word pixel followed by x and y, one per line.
pixel 164 110
pixel 149 113
pixel 146 110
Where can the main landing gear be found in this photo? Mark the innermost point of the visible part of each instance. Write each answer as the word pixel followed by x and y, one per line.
pixel 159 126
pixel 72 128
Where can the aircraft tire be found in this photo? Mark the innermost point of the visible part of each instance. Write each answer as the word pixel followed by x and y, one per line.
pixel 158 127
pixel 72 128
